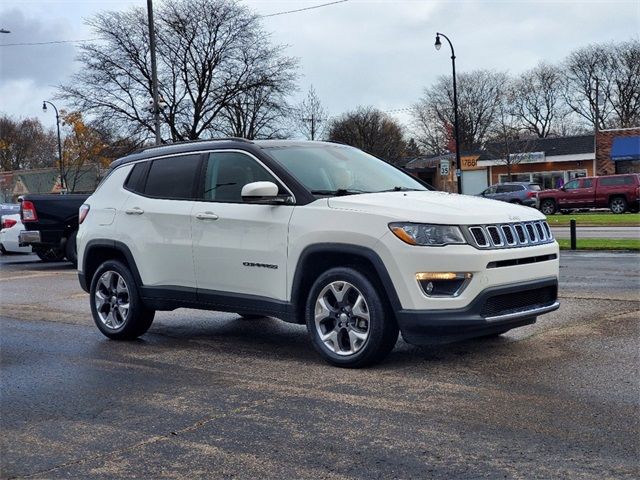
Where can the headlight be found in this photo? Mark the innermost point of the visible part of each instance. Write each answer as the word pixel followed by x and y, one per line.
pixel 427 235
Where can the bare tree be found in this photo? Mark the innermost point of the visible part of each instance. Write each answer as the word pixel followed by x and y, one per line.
pixel 26 144
pixel 210 52
pixel 261 112
pixel 614 71
pixel 536 100
pixel 479 96
pixel 310 117
pixel 370 130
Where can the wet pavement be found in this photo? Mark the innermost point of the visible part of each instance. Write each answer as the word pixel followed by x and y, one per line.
pixel 209 395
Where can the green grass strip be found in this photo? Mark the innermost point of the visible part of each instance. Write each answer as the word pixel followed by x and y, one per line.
pixel 595 219
pixel 602 244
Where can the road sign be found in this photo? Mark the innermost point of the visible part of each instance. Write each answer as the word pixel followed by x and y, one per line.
pixel 444 167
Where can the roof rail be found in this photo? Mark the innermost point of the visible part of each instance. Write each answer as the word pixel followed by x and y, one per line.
pixel 200 140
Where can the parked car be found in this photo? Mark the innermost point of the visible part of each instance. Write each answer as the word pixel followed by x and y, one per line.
pixel 619 193
pixel 11 228
pixel 9 209
pixel 524 193
pixel 312 233
pixel 51 225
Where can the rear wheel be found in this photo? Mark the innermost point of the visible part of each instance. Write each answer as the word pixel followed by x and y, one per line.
pixel 70 250
pixel 346 319
pixel 548 207
pixel 116 305
pixel 618 205
pixel 49 254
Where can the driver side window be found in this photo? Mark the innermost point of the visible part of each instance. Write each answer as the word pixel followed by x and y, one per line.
pixel 228 172
pixel 572 185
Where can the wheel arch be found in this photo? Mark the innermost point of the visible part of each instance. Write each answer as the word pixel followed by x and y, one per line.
pixel 98 251
pixel 318 258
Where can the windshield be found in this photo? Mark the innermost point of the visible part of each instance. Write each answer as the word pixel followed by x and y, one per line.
pixel 341 170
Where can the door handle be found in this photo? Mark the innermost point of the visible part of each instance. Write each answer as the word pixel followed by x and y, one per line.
pixel 206 216
pixel 134 211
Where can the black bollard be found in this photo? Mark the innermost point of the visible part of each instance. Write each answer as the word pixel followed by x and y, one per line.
pixel 573 234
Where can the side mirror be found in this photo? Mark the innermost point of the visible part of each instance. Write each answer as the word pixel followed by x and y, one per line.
pixel 263 193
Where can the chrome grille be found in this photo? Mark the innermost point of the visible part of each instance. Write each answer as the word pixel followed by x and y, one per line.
pixel 479 236
pixel 509 235
pixel 494 234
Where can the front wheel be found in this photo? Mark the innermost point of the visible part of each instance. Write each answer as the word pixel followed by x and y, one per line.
pixel 116 306
pixel 346 319
pixel 618 205
pixel 548 207
pixel 70 249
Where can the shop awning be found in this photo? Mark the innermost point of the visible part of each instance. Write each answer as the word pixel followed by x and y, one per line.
pixel 625 148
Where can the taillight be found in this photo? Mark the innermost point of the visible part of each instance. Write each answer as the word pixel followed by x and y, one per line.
pixel 532 194
pixel 8 223
pixel 84 210
pixel 28 212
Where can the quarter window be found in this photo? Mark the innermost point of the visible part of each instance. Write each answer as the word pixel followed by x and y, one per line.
pixel 134 180
pixel 228 172
pixel 173 177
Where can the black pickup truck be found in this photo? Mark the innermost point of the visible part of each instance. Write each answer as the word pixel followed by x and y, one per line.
pixel 51 225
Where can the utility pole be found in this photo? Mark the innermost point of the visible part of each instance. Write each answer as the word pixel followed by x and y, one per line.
pixel 154 72
pixel 312 120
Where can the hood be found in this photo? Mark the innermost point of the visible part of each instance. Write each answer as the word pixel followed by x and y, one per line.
pixel 436 207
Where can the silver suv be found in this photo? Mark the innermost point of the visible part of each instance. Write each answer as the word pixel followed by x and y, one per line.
pixel 523 193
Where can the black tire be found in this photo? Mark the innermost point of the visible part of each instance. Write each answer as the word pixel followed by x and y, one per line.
pixel 51 254
pixel 548 207
pixel 381 329
pixel 70 249
pixel 2 250
pixel 618 205
pixel 138 318
pixel 517 202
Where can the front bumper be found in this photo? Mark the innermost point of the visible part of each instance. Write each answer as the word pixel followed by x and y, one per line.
pixel 29 237
pixel 495 309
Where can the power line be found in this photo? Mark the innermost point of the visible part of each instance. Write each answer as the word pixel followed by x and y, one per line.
pixel 52 42
pixel 55 42
pixel 304 9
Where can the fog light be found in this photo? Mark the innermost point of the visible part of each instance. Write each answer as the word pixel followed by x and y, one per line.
pixel 443 284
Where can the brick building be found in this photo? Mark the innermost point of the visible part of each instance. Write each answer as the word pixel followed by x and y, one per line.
pixel 618 151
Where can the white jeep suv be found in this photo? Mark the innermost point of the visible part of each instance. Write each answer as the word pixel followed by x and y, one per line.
pixel 314 233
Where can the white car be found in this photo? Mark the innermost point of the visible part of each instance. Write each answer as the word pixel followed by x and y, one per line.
pixel 11 228
pixel 312 233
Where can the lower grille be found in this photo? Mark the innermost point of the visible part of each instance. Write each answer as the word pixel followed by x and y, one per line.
pixel 508 303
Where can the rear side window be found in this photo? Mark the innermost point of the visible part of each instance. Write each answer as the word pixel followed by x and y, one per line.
pixel 614 181
pixel 134 180
pixel 173 177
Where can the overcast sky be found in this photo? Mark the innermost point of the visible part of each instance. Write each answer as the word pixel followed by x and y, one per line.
pixel 361 52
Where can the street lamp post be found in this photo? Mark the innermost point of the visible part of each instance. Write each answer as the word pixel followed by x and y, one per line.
pixel 438 44
pixel 63 183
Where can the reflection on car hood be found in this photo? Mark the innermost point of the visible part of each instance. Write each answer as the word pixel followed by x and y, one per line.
pixel 436 207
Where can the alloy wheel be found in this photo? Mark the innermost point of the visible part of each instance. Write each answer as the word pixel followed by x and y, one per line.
pixel 342 318
pixel 617 205
pixel 112 300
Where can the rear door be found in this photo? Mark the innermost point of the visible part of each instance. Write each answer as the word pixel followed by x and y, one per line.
pixel 240 249
pixel 155 222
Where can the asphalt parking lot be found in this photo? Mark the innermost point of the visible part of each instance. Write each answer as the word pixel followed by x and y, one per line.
pixel 208 395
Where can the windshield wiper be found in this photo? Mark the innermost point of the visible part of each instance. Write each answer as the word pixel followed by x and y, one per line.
pixel 400 189
pixel 339 192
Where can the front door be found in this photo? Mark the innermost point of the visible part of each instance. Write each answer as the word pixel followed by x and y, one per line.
pixel 570 196
pixel 240 249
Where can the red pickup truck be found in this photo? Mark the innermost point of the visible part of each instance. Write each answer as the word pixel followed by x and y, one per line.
pixel 619 193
